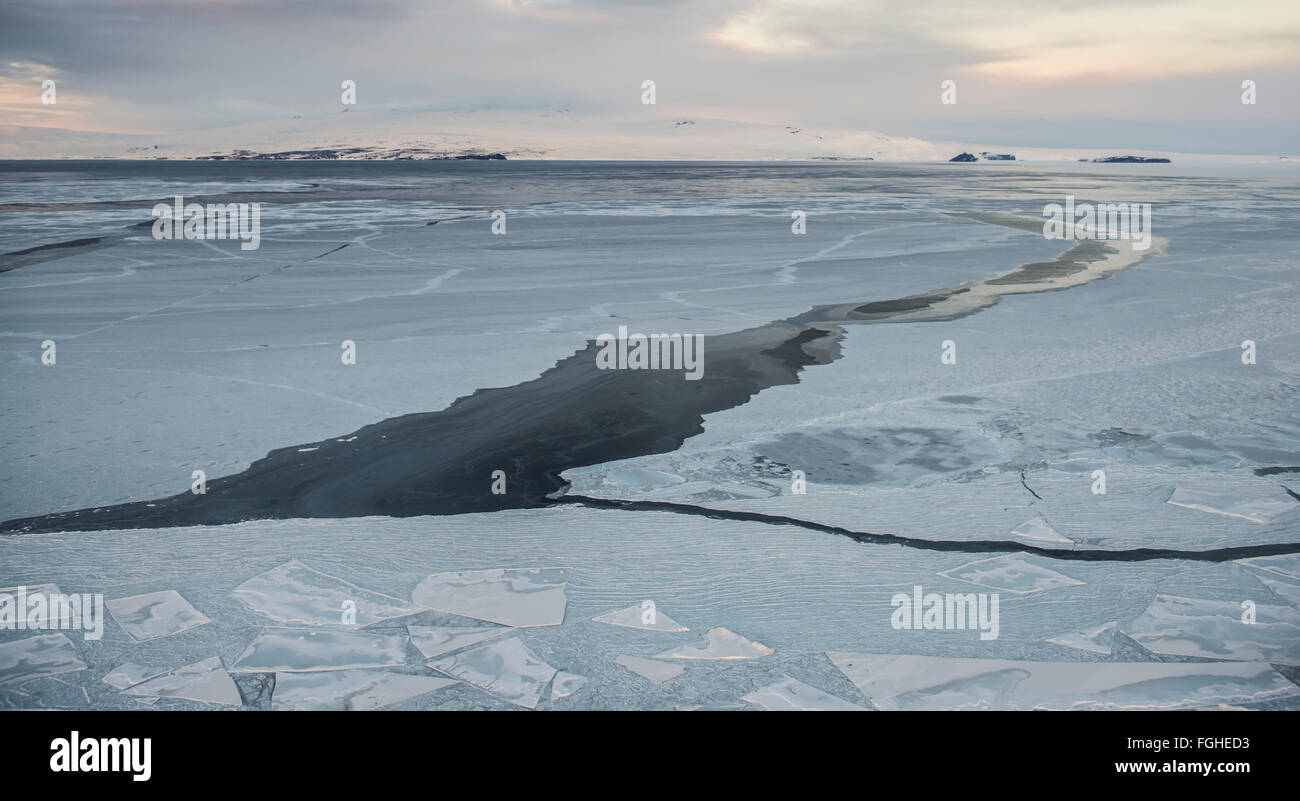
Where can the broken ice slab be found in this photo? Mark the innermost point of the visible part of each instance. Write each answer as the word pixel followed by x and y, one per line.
pixel 1256 510
pixel 155 614
pixel 27 611
pixel 350 690
pixel 305 650
pixel 296 593
pixel 511 597
pixel 1015 572
pixel 437 640
pixel 1094 639
pixel 791 695
pixel 927 682
pixel 1286 565
pixel 657 672
pixel 635 617
pixel 1217 630
pixel 206 682
pixel 507 669
pixel 1288 591
pixel 1038 531
pixel 34 657
pixel 129 674
pixel 720 644
pixel 566 684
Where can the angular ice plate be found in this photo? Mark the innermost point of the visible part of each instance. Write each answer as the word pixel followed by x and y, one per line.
pixel 1256 510
pixel 565 684
pixel 927 682
pixel 1287 565
pixel 1095 639
pixel 437 640
pixel 721 644
pixel 296 593
pixel 206 682
pixel 34 657
pixel 155 614
pixel 306 650
pixel 1215 630
pixel 507 669
pixel 631 618
pixel 655 671
pixel 511 597
pixel 791 695
pixel 1037 530
pixel 350 690
pixel 1014 572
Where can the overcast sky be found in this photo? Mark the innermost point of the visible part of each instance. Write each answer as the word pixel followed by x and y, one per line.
pixel 1101 73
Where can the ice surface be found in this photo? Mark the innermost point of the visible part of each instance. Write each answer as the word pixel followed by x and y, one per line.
pixel 927 682
pixel 354 690
pixel 155 614
pixel 294 650
pixel 657 672
pixel 33 657
pixel 1286 565
pixel 296 593
pixel 507 669
pixel 632 618
pixel 1038 531
pixel 1288 591
pixel 1095 639
pixel 1016 572
pixel 206 681
pixel 792 695
pixel 721 644
pixel 1256 510
pixel 1215 630
pixel 511 597
pixel 437 640
pixel 129 674
pixel 566 684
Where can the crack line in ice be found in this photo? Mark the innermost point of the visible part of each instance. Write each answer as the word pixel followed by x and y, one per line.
pixel 959 546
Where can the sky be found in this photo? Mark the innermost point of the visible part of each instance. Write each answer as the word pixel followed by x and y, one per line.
pixel 1035 73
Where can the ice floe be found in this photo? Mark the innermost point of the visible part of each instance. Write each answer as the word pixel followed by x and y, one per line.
pixel 1286 565
pixel 437 640
pixel 657 672
pixel 1015 572
pixel 206 682
pixel 155 614
pixel 511 597
pixel 350 690
pixel 507 669
pixel 296 593
pixel 129 674
pixel 792 695
pixel 1038 531
pixel 636 617
pixel 926 682
pixel 1094 639
pixel 34 657
pixel 1216 630
pixel 304 650
pixel 720 644
pixel 1256 510
pixel 1288 591
pixel 566 684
